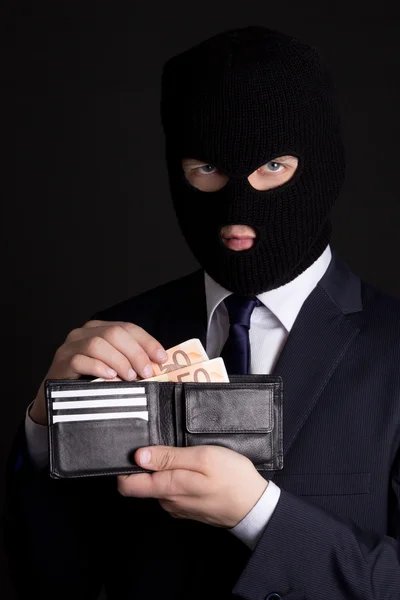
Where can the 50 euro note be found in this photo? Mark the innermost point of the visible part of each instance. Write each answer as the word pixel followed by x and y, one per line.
pixel 183 355
pixel 209 371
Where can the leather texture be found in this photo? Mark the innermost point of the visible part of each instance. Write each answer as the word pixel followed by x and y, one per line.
pixel 237 416
pixel 244 415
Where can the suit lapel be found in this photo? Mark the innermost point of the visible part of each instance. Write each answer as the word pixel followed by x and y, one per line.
pixel 318 341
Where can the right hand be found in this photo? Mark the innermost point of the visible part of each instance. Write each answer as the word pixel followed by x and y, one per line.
pixel 103 349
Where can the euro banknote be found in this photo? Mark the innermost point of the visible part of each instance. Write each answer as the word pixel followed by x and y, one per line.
pixel 183 355
pixel 208 371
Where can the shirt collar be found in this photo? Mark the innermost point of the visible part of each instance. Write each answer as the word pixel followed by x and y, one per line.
pixel 284 302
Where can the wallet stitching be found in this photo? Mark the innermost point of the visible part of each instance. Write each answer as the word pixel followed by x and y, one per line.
pixel 277 461
pixel 101 472
pixel 189 393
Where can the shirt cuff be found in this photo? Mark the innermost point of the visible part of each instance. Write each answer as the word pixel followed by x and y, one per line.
pixel 250 529
pixel 36 441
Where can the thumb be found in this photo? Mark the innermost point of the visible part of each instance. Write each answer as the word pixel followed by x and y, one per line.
pixel 164 458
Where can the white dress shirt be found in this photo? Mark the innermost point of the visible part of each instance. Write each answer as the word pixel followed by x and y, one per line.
pixel 270 325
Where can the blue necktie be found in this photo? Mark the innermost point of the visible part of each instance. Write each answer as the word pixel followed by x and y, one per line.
pixel 236 351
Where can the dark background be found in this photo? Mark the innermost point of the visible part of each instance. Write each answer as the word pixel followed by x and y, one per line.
pixel 89 221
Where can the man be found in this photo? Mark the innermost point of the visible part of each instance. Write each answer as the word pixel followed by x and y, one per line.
pixel 255 162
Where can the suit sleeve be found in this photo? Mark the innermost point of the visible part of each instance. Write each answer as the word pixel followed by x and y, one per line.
pixel 37 439
pixel 49 533
pixel 306 552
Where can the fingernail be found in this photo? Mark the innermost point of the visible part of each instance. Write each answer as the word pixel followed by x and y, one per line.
pixel 145 457
pixel 162 355
pixel 111 373
pixel 131 374
pixel 148 371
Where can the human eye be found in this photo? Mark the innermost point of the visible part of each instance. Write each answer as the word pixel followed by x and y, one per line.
pixel 272 166
pixel 206 170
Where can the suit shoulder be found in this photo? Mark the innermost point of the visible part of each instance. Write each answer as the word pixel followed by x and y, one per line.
pixel 383 304
pixel 146 303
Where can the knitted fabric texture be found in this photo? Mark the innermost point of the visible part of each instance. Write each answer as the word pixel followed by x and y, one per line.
pixel 237 101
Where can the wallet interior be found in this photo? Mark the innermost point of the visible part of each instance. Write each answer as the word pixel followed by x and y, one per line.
pixel 95 428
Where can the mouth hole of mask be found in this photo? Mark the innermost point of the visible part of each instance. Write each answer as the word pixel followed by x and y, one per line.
pixel 256 240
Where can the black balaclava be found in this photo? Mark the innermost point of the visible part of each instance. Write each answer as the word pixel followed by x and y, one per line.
pixel 237 101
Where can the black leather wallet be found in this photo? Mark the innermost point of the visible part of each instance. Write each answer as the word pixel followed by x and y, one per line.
pixel 95 427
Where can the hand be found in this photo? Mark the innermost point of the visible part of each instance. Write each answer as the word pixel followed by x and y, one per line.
pixel 211 484
pixel 103 349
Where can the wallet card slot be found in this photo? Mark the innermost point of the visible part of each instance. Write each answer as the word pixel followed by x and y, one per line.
pixel 111 403
pixel 143 414
pixel 96 446
pixel 97 391
pixel 98 405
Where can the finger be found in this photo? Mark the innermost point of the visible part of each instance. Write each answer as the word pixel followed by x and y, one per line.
pixel 164 458
pixel 150 345
pixel 169 507
pixel 97 323
pixel 166 484
pixel 145 346
pixel 100 349
pixel 118 336
pixel 80 333
pixel 175 510
pixel 155 351
pixel 128 339
pixel 139 485
pixel 85 365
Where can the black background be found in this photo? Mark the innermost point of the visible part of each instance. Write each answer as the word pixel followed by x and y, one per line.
pixel 88 222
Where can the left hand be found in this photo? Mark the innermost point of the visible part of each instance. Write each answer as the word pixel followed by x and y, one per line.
pixel 211 484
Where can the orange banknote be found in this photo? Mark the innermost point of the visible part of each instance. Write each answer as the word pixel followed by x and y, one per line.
pixel 209 371
pixel 181 356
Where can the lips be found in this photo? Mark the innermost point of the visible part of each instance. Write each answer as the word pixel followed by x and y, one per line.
pixel 236 243
pixel 238 237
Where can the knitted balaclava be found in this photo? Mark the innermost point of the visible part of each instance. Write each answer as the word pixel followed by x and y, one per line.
pixel 237 101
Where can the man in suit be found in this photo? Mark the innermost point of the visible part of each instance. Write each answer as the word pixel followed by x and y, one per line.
pixel 255 162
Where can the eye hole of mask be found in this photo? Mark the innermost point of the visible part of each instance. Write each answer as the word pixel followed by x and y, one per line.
pixel 208 178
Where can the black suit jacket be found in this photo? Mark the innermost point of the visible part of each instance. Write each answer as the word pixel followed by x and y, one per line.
pixel 335 531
